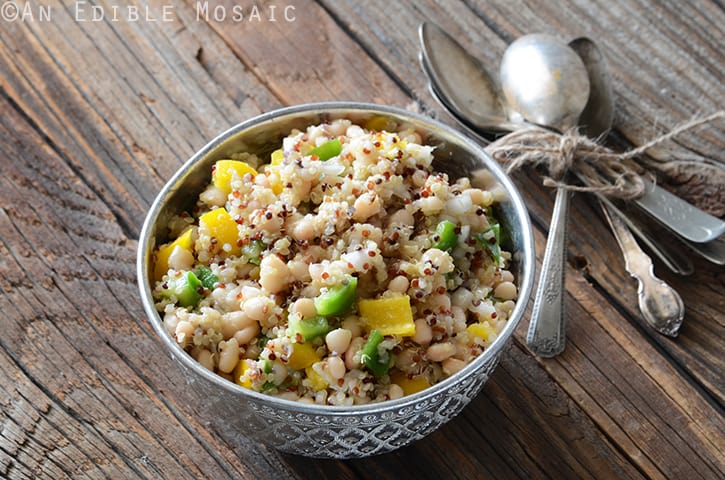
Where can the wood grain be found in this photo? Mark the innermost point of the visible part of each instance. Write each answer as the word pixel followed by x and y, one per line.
pixel 97 116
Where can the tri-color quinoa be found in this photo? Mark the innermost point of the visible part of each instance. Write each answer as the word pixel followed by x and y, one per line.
pixel 342 270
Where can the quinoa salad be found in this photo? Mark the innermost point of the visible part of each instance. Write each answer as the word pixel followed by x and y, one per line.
pixel 339 270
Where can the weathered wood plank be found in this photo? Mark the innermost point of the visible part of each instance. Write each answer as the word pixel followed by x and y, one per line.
pixel 101 114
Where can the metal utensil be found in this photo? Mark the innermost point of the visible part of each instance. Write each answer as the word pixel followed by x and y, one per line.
pixel 598 115
pixel 671 256
pixel 660 304
pixel 683 218
pixel 460 91
pixel 546 82
pixel 478 101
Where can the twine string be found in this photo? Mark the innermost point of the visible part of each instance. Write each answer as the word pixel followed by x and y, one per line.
pixel 612 174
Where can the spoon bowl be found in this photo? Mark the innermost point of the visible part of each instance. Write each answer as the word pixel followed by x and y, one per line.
pixel 460 82
pixel 545 81
pixel 598 115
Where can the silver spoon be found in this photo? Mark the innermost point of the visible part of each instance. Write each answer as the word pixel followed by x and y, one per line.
pixel 546 82
pixel 477 103
pixel 470 99
pixel 661 306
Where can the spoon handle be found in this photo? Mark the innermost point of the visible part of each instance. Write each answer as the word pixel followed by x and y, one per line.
pixel 660 304
pixel 546 335
pixel 683 218
pixel 672 258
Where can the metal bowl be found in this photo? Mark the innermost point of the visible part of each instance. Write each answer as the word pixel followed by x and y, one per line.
pixel 333 431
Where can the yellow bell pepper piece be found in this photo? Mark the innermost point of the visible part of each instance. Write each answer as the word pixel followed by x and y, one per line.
pixel 164 252
pixel 242 367
pixel 317 383
pixel 277 157
pixel 220 225
pixel 380 123
pixel 390 316
pixel 225 170
pixel 274 180
pixel 409 385
pixel 482 330
pixel 302 356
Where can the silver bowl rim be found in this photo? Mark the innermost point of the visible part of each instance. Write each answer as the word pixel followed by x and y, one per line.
pixel 527 259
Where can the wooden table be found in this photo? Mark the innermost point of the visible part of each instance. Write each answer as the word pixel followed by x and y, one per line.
pixel 96 117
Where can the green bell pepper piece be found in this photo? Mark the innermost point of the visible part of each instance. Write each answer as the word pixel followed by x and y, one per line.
pixel 253 251
pixel 207 277
pixel 338 299
pixel 491 241
pixel 185 288
pixel 374 360
pixel 327 150
pixel 308 328
pixel 445 237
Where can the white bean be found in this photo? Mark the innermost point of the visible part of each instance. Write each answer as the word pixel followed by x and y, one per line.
pixel 279 372
pixel 304 307
pixel 462 298
pixel 452 365
pixel 476 195
pixel 300 270
pixel 336 367
pixel 353 324
pixel 459 319
pixel 232 322
pixel 256 308
pixel 170 322
pixel 228 355
pixel 213 196
pixel 304 229
pixel 505 291
pixel 404 360
pixel 206 359
pixel 440 351
pixel 181 259
pixel 402 218
pixel 352 360
pixel 261 180
pixel 338 340
pixel 247 334
pixel 423 332
pixel 431 205
pixel 507 276
pixel 395 391
pixel 508 306
pixel 399 284
pixel 366 205
pixel 273 274
pixel 440 302
pixel 183 330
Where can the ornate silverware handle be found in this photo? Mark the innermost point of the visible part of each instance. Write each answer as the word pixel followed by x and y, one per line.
pixel 660 304
pixel 547 336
